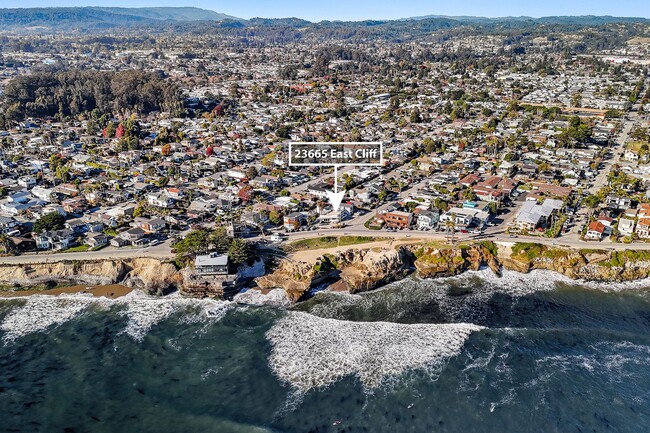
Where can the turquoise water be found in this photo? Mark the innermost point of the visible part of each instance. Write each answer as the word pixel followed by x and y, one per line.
pixel 468 354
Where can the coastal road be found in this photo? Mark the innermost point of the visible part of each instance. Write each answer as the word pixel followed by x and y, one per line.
pixel 161 251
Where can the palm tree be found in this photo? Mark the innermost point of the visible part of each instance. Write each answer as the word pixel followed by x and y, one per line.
pixel 6 245
pixel 450 224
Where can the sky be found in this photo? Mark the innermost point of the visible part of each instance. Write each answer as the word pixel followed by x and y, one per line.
pixel 355 10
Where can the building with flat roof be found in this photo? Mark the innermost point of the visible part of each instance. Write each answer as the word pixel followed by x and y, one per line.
pixel 211 264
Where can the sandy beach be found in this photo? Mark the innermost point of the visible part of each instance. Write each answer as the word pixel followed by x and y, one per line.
pixel 109 291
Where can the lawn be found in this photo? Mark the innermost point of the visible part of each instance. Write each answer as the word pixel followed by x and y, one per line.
pixel 77 249
pixel 329 242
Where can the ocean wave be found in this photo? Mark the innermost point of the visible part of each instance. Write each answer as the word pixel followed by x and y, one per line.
pixel 610 357
pixel 42 312
pixel 310 352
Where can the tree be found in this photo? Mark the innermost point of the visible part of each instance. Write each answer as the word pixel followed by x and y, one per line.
pixel 592 201
pixel 245 194
pixel 63 173
pixel 415 117
pixel 275 217
pixel 50 221
pixel 109 131
pixel 196 242
pixel 219 240
pixel 6 245
pixel 239 252
pixel 469 194
pixel 251 172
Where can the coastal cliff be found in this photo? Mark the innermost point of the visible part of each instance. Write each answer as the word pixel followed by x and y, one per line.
pixel 358 270
pixel 151 275
pixel 354 270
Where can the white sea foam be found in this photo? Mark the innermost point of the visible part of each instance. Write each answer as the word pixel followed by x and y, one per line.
pixel 275 297
pixel 311 352
pixel 41 312
pixel 612 357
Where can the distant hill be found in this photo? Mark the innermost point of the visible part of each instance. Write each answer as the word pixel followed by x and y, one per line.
pixel 170 13
pixel 62 18
pixel 586 20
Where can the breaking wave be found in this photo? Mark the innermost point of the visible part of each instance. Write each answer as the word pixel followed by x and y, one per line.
pixel 42 312
pixel 310 352
pixel 463 298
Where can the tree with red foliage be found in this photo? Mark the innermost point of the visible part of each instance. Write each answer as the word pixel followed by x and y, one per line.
pixel 245 194
pixel 119 132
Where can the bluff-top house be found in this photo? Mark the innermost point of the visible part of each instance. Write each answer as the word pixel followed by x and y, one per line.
pixel 211 264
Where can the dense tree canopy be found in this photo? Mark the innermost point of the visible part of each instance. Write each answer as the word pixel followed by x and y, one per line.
pixel 73 92
pixel 50 221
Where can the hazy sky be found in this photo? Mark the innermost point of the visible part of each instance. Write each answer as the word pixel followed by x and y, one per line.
pixel 317 10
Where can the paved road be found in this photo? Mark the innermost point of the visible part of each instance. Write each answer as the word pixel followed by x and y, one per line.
pixel 601 179
pixel 161 251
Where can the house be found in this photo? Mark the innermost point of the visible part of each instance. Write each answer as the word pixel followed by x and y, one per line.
pixel 211 264
pixel 160 199
pixel 255 218
pixel 294 220
pixel 45 194
pixel 595 231
pixel 150 225
pixel 398 219
pixel 27 181
pixel 133 235
pixel 22 244
pixel 531 215
pixel 643 228
pixel 615 202
pixel 7 224
pixel 318 190
pixel 626 227
pixel 96 240
pixel 74 205
pixel 427 219
pixel 119 242
pixel 605 219
pixel 55 239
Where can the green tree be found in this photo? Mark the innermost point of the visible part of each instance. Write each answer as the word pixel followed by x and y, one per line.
pixel 275 217
pixel 196 242
pixel 239 252
pixel 50 221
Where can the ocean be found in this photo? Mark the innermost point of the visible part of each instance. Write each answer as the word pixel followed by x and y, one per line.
pixel 474 353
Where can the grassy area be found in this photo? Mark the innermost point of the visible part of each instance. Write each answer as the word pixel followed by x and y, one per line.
pixel 527 250
pixel 77 249
pixel 490 246
pixel 635 146
pixel 329 242
pixel 620 258
pixel 530 250
pixel 585 251
pixel 368 226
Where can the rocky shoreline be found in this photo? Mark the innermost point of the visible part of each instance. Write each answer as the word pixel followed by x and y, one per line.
pixel 354 270
pixel 359 270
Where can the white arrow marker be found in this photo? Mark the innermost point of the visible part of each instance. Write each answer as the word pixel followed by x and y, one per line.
pixel 336 197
